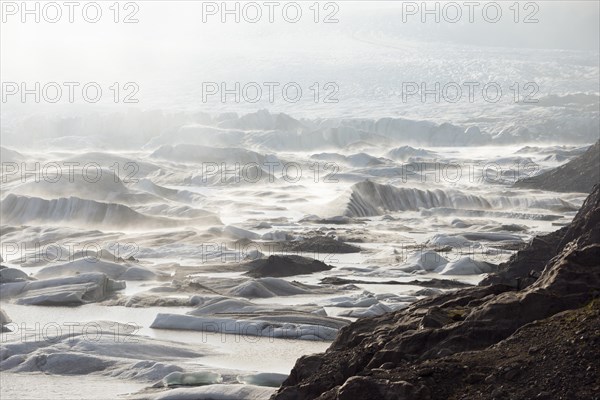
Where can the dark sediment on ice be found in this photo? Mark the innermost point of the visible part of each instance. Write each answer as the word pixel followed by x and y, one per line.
pixel 323 245
pixel 431 283
pixel 279 266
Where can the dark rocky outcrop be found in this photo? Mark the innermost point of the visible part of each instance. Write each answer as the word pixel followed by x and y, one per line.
pixel 279 266
pixel 323 245
pixel 526 265
pixel 449 346
pixel 429 283
pixel 578 175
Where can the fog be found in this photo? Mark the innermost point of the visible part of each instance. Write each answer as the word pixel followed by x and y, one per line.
pixel 170 51
pixel 227 195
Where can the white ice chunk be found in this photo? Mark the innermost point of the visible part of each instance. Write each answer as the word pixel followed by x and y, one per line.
pixel 80 289
pixel 217 392
pixel 374 310
pixel 465 266
pixel 239 233
pixel 360 300
pixel 266 287
pixel 110 269
pixel 263 379
pixel 245 327
pixel 424 260
pixel 200 378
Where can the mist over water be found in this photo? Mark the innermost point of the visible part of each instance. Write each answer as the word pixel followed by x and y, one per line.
pixel 227 195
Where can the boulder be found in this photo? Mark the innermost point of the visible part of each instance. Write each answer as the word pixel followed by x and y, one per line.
pixel 279 266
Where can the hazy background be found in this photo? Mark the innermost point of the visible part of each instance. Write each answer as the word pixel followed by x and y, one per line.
pixel 369 54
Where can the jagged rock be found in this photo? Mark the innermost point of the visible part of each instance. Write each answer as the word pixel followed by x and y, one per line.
pixel 363 387
pixel 585 227
pixel 524 267
pixel 578 175
pixel 443 329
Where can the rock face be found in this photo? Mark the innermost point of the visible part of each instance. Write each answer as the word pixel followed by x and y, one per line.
pixel 525 266
pixel 578 175
pixel 450 346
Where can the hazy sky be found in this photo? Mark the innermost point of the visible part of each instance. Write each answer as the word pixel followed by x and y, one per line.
pixel 172 33
pixel 170 51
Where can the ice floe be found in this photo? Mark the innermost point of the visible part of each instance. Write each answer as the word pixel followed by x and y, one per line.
pixel 75 290
pixel 466 266
pixel 267 326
